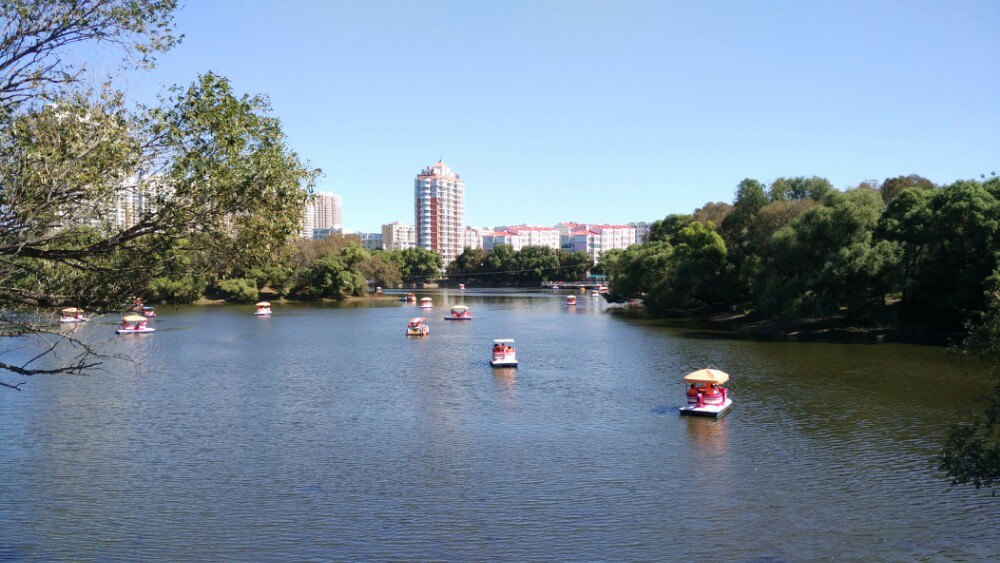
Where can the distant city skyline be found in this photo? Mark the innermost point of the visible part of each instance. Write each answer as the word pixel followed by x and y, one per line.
pixel 574 110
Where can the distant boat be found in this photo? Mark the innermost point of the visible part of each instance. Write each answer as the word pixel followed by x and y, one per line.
pixel 459 313
pixel 570 300
pixel 72 315
pixel 705 395
pixel 133 324
pixel 263 309
pixel 426 303
pixel 461 286
pixel 417 327
pixel 149 312
pixel 504 354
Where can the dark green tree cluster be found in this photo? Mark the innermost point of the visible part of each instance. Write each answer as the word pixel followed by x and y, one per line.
pixel 529 266
pixel 799 249
pixel 335 267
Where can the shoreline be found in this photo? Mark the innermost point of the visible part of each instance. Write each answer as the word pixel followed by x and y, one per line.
pixel 830 329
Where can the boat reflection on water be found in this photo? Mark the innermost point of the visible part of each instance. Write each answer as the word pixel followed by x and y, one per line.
pixel 505 377
pixel 707 436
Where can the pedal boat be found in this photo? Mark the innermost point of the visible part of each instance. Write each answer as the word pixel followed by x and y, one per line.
pixel 705 394
pixel 134 324
pixel 72 315
pixel 570 300
pixel 426 303
pixel 263 309
pixel 149 312
pixel 459 313
pixel 504 354
pixel 416 327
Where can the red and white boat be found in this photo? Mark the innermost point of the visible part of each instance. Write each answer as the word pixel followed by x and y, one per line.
pixel 570 300
pixel 705 394
pixel 504 354
pixel 461 286
pixel 149 312
pixel 263 309
pixel 417 327
pixel 426 303
pixel 72 315
pixel 459 313
pixel 134 324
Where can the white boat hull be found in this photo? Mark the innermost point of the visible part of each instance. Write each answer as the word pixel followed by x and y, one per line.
pixel 135 331
pixel 72 320
pixel 267 314
pixel 707 410
pixel 504 361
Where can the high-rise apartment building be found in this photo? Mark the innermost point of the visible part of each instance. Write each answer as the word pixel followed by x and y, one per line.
pixel 308 222
pixel 326 211
pixel 439 210
pixel 398 236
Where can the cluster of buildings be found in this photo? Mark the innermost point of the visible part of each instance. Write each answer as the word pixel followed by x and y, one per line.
pixel 439 224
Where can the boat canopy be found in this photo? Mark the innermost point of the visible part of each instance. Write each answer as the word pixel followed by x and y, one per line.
pixel 71 310
pixel 417 321
pixel 707 376
pixel 147 308
pixel 459 308
pixel 134 319
pixel 426 299
pixel 263 304
pixel 503 341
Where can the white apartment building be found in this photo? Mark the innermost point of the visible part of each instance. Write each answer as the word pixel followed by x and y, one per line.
pixel 593 239
pixel 532 235
pixel 398 236
pixel 326 211
pixel 135 200
pixel 308 222
pixel 499 238
pixel 439 210
pixel 474 237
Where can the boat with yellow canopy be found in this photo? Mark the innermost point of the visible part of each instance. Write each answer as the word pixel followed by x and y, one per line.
pixel 72 315
pixel 705 394
pixel 263 309
pixel 134 324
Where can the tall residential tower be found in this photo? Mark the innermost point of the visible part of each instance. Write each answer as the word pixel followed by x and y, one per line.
pixel 439 209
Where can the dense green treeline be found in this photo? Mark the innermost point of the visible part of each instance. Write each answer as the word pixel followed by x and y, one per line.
pixel 905 252
pixel 530 265
pixel 332 268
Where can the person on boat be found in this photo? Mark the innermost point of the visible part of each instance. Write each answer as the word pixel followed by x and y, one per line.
pixel 692 390
pixel 711 390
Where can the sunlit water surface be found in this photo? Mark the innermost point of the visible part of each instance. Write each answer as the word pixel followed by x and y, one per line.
pixel 323 432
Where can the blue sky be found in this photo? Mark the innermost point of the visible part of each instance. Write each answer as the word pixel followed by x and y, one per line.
pixel 605 111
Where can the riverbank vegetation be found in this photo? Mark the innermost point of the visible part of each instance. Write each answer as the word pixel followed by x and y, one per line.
pixel 904 254
pixel 502 265
pixel 332 268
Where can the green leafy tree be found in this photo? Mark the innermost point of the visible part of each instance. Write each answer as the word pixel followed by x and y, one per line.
pixel 224 190
pixel 501 259
pixel 239 290
pixel 573 266
pixel 418 263
pixel 892 187
pixel 467 265
pixel 800 187
pixel 536 264
pixel 700 265
pixel 666 229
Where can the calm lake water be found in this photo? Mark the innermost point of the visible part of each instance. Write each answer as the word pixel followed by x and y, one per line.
pixel 323 432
